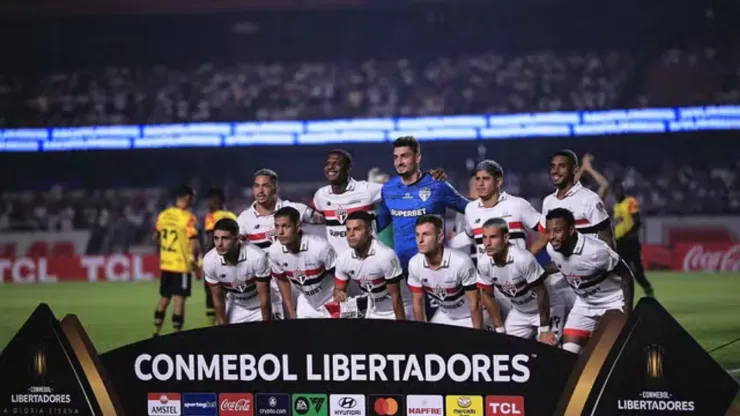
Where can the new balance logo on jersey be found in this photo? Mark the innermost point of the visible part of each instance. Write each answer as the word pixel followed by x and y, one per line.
pixel 408 212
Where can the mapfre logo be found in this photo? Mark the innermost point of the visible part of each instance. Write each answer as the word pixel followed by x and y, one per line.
pixel 504 406
pixel 235 404
pixel 164 404
pixel 424 405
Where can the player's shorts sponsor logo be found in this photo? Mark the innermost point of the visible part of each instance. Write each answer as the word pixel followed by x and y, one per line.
pixel 235 404
pixel 308 404
pixel 387 405
pixel 272 404
pixel 347 405
pixel 419 405
pixel 464 406
pixel 199 404
pixel 504 406
pixel 164 404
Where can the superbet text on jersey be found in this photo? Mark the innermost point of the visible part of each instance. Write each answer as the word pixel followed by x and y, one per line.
pixel 310 270
pixel 359 196
pixel 586 206
pixel 517 212
pixel 372 274
pixel 446 284
pixel 239 281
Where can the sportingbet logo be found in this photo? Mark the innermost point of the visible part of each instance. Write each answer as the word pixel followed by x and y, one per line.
pixel 199 404
pixel 235 404
pixel 164 404
pixel 424 405
pixel 504 406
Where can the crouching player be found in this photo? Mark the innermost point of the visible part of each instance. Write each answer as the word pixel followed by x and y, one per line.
pixel 304 260
pixel 242 271
pixel 516 274
pixel 599 278
pixel 376 270
pixel 447 275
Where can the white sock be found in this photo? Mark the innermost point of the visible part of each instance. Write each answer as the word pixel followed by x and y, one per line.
pixel 572 347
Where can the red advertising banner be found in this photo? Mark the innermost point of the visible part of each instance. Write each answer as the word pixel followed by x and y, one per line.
pixel 706 257
pixel 116 267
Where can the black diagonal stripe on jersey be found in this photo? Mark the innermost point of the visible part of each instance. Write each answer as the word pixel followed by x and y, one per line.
pixel 377 289
pixel 448 298
pixel 590 283
pixel 314 280
pixel 521 288
pixel 264 244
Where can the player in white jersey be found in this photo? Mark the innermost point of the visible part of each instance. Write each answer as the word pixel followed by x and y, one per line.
pixel 515 272
pixel 242 271
pixel 446 274
pixel 587 207
pixel 599 278
pixel 376 270
pixel 343 196
pixel 305 260
pixel 257 225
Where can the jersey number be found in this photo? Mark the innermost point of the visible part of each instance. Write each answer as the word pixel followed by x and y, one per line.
pixel 168 238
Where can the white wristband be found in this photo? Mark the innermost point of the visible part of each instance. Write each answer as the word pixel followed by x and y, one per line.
pixel 543 329
pixel 500 329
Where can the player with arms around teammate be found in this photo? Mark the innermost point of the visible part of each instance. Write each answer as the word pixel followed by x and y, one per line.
pixel 448 275
pixel 627 222
pixel 516 273
pixel 599 278
pixel 412 194
pixel 342 197
pixel 179 251
pixel 376 270
pixel 257 223
pixel 307 261
pixel 216 212
pixel 242 271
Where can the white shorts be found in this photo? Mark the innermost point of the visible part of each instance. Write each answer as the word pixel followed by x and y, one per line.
pixel 524 324
pixel 304 310
pixel 558 283
pixel 582 319
pixel 443 318
pixel 236 314
pixel 275 297
pixel 504 304
pixel 389 314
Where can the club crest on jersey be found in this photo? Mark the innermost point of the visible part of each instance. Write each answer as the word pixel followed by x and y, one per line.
pixel 574 281
pixel 440 292
pixel 366 284
pixel 425 193
pixel 300 276
pixel 509 288
pixel 239 285
pixel 270 235
pixel 341 214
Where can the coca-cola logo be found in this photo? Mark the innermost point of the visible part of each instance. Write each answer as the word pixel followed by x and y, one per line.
pixel 235 404
pixel 720 259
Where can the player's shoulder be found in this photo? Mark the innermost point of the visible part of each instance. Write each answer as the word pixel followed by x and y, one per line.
pixel 252 250
pixel 275 249
pixel 297 205
pixel 471 206
pixel 393 182
pixel 315 242
pixel 245 213
pixel 518 253
pixel 517 200
pixel 594 246
pixel 587 195
pixel 459 258
pixel 383 251
pixel 323 192
pixel 211 259
pixel 416 261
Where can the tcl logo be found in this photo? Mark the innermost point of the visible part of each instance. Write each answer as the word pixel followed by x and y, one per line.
pixel 504 405
pixel 233 404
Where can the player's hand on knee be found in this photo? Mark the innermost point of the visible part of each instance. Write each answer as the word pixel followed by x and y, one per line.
pixel 547 338
pixel 340 296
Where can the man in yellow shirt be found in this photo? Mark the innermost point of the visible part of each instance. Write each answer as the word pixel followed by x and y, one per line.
pixel 179 256
pixel 627 224
pixel 216 212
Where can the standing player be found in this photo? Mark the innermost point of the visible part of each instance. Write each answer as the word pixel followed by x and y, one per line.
pixel 242 271
pixel 257 223
pixel 627 226
pixel 587 207
pixel 216 212
pixel 599 278
pixel 376 270
pixel 176 233
pixel 306 261
pixel 343 196
pixel 516 273
pixel 447 275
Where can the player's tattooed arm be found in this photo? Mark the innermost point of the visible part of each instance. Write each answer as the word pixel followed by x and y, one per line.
pixel 544 335
pixel 418 305
pixel 285 292
pixel 395 291
pixel 263 291
pixel 628 285
pixel 476 312
pixel 340 291
pixel 492 307
pixel 219 305
pixel 538 244
pixel 438 174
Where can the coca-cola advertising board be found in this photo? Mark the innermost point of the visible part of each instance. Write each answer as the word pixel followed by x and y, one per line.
pixel 707 257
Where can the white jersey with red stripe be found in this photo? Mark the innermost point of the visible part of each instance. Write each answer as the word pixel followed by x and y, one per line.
pixel 589 270
pixel 447 284
pixel 310 270
pixel 260 229
pixel 372 274
pixel 517 212
pixel 239 280
pixel 586 206
pixel 359 196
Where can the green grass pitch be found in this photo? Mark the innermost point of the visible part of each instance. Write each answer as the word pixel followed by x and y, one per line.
pixel 115 314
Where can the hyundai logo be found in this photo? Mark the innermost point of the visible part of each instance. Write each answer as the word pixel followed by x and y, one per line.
pixel 347 403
